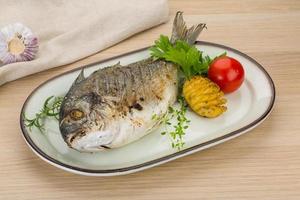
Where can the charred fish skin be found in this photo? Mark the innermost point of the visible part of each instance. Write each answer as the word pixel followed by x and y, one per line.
pixel 114 106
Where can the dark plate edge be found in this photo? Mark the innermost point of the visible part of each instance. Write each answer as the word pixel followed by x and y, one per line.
pixel 162 159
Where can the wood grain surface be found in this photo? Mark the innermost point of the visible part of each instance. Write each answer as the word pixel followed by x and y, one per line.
pixel 262 164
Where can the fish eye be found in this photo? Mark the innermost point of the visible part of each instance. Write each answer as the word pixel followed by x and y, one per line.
pixel 76 114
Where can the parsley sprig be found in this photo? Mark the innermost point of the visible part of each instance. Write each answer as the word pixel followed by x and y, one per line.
pixel 191 62
pixel 189 59
pixel 178 130
pixel 50 108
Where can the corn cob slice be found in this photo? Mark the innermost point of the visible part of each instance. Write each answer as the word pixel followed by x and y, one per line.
pixel 204 97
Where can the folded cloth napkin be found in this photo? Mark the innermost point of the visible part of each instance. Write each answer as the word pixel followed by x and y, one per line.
pixel 69 30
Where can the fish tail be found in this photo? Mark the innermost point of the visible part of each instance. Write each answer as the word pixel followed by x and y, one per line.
pixel 181 32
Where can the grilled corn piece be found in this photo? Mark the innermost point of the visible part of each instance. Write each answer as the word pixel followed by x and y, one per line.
pixel 204 97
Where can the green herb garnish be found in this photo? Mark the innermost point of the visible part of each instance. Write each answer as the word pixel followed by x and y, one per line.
pixel 191 62
pixel 50 108
pixel 182 123
pixel 189 59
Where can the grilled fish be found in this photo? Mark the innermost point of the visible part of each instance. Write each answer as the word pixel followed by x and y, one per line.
pixel 114 106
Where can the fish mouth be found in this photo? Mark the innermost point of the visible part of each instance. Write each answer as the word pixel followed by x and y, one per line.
pixel 90 141
pixel 105 147
pixel 73 136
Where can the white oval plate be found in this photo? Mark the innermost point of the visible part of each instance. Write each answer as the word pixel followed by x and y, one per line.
pixel 247 108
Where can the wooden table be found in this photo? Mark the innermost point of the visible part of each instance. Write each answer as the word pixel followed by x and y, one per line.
pixel 263 164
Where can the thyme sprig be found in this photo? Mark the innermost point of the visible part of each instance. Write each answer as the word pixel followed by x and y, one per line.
pixel 50 108
pixel 178 130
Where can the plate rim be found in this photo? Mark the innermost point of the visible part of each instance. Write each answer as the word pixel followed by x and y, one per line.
pixel 157 161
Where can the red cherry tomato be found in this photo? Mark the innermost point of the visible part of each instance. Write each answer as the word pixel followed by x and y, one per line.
pixel 226 72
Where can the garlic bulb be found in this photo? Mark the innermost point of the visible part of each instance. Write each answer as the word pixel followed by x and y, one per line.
pixel 17 43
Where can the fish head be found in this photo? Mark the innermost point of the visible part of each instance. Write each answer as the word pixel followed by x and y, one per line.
pixel 84 120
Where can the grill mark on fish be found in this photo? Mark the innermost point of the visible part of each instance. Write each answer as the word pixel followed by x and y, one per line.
pixel 119 83
pixel 116 82
pixel 142 82
pixel 106 88
pixel 110 82
pixel 149 71
pixel 128 90
pixel 163 70
pixel 128 83
pixel 115 88
pixel 159 85
pixel 132 75
pixel 123 89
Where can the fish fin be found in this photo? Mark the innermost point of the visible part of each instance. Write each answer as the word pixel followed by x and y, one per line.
pixel 79 78
pixel 118 64
pixel 181 32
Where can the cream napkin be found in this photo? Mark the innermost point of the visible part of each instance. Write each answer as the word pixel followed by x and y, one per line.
pixel 69 30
